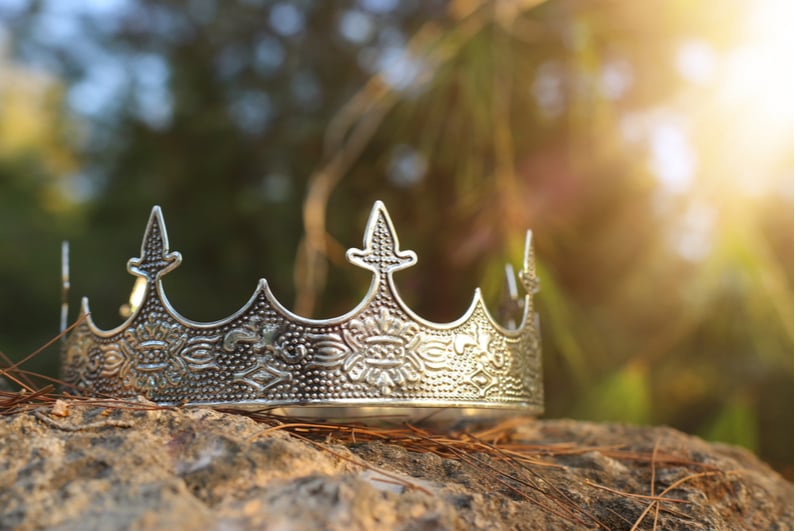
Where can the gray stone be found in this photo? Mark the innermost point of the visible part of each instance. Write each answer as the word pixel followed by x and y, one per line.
pixel 79 466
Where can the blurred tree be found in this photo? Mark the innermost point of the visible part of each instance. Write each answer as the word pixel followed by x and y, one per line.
pixel 657 177
pixel 35 153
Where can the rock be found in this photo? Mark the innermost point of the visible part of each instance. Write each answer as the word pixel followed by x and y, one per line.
pixel 73 465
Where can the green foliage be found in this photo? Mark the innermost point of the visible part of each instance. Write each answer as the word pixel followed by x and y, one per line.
pixel 736 422
pixel 623 397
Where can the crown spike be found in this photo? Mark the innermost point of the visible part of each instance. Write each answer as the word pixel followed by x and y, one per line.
pixel 155 260
pixel 84 306
pixel 528 275
pixel 381 249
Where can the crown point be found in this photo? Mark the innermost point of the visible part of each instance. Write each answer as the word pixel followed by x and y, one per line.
pixel 529 259
pixel 84 306
pixel 155 259
pixel 381 249
pixel 478 299
pixel 262 288
pixel 528 275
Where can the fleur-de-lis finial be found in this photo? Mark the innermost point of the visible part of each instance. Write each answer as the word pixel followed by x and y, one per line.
pixel 155 260
pixel 381 253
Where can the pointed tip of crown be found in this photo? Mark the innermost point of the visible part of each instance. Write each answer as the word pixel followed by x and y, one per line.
pixel 381 248
pixel 528 264
pixel 262 287
pixel 378 210
pixel 156 258
pixel 155 232
pixel 156 218
pixel 156 226
pixel 477 298
pixel 528 275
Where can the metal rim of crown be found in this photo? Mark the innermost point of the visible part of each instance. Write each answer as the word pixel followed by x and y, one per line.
pixel 380 357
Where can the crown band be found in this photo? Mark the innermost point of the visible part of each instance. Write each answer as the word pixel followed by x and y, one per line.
pixel 379 358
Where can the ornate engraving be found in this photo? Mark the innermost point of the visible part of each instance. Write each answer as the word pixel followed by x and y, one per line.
pixel 270 344
pixel 262 375
pixel 383 351
pixel 482 345
pixel 488 355
pixel 199 353
pixel 288 345
pixel 155 356
pixel 380 353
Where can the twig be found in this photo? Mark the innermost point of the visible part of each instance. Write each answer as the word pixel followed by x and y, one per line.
pixel 633 495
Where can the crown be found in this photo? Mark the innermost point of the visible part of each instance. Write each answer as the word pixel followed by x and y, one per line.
pixel 379 356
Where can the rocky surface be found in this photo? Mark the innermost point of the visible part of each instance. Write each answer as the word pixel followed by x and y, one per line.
pixel 75 466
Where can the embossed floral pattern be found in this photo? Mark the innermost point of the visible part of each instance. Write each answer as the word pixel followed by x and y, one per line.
pixel 382 351
pixel 155 355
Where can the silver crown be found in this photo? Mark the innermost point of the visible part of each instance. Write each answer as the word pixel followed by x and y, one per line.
pixel 379 358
